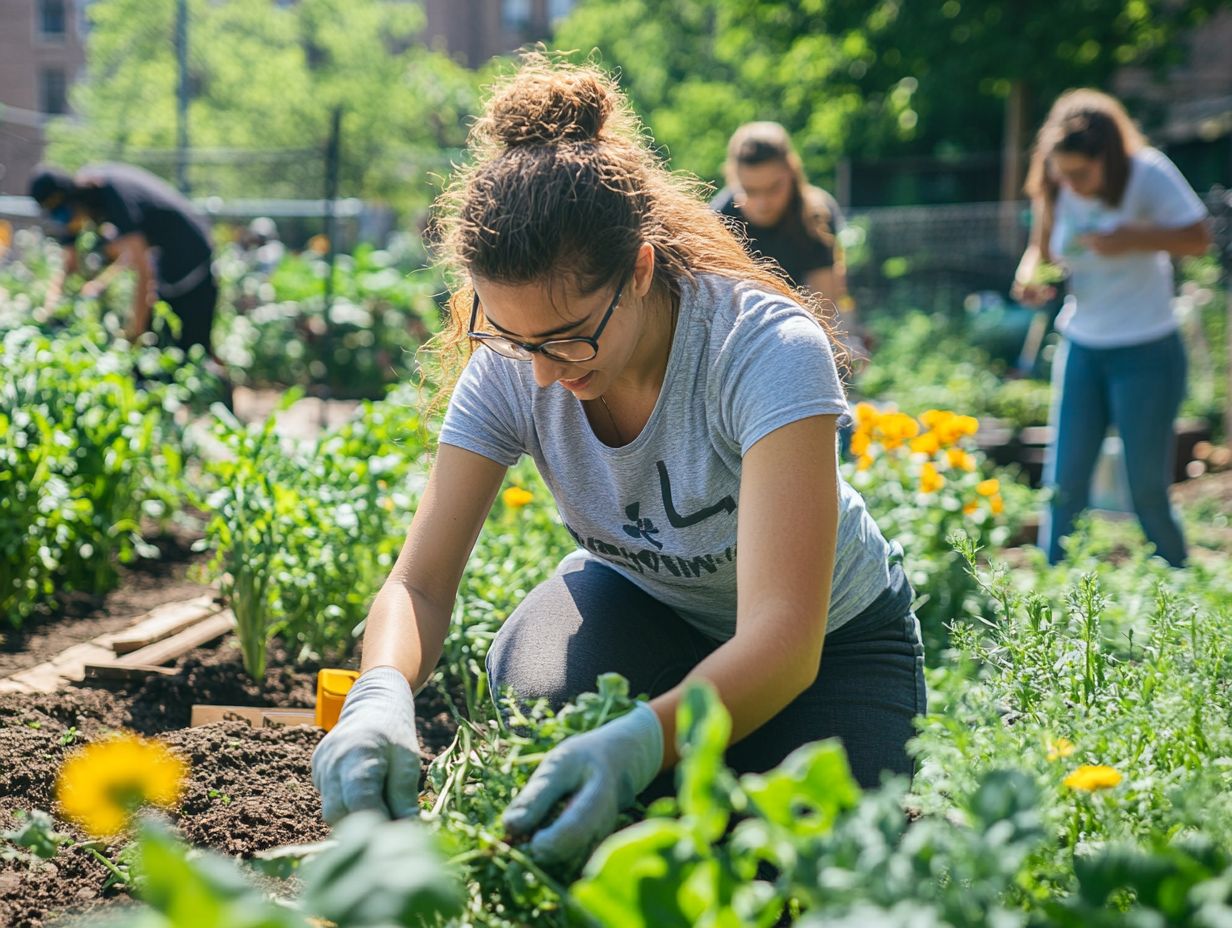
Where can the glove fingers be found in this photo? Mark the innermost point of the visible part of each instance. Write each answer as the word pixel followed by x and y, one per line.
pixel 363 782
pixel 555 777
pixel 333 809
pixel 589 816
pixel 402 784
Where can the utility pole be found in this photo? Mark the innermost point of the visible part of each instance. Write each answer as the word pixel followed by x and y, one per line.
pixel 181 128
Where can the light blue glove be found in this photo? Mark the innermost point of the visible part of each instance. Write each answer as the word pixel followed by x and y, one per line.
pixel 603 769
pixel 370 758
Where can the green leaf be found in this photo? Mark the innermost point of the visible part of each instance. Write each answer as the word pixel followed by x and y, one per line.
pixel 805 794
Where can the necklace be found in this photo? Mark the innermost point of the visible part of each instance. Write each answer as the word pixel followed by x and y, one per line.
pixel 670 339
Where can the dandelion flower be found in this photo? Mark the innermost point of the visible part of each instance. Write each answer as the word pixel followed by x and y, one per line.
pixel 930 479
pixel 516 497
pixel 1092 777
pixel 989 487
pixel 1060 747
pixel 101 786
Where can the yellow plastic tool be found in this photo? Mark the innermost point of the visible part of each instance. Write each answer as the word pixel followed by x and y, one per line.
pixel 332 688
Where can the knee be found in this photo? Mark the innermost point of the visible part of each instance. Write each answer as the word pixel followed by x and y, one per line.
pixel 522 667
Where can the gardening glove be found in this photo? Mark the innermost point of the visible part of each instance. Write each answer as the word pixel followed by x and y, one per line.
pixel 370 758
pixel 603 769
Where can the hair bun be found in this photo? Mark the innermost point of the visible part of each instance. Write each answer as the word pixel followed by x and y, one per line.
pixel 543 107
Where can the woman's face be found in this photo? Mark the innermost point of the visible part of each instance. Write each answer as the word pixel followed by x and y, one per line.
pixel 1082 174
pixel 764 191
pixel 537 312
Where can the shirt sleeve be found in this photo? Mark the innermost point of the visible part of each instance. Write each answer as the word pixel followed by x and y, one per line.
pixel 776 368
pixel 484 415
pixel 1171 201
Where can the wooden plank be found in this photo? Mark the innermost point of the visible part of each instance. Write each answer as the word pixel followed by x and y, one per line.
pixel 167 650
pixel 163 622
pixel 112 672
pixel 69 665
pixel 256 716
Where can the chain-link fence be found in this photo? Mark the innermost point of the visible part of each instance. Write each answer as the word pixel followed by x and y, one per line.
pixel 932 257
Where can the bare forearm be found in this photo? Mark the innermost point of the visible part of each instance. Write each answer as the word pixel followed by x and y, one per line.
pixel 1188 240
pixel 405 629
pixel 756 678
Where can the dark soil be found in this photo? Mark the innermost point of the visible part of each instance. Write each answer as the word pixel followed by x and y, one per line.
pixel 79 617
pixel 249 790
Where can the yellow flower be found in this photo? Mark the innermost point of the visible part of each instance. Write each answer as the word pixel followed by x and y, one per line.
pixel 860 442
pixel 1092 777
pixel 896 427
pixel 971 509
pixel 935 417
pixel 925 444
pixel 101 786
pixel 989 487
pixel 957 457
pixel 930 479
pixel 516 497
pixel 866 415
pixel 1061 747
pixel 864 462
pixel 996 504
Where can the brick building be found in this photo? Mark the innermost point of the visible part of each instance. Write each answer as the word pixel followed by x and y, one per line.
pixel 475 30
pixel 41 53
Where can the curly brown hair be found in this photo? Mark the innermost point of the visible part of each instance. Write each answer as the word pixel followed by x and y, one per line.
pixel 563 182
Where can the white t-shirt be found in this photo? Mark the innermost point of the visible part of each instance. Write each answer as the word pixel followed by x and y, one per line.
pixel 1123 299
pixel 662 510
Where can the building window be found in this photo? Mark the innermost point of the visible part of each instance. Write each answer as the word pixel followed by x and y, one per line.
pixel 515 15
pixel 53 91
pixel 52 21
pixel 558 10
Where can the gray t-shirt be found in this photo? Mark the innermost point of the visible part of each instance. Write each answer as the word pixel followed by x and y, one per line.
pixel 662 510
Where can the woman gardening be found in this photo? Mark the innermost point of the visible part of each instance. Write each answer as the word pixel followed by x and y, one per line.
pixel 1115 212
pixel 681 405
pixel 770 202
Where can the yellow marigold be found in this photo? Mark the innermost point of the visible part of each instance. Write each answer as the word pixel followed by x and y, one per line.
pixel 996 504
pixel 101 786
pixel 1060 747
pixel 864 462
pixel 989 487
pixel 960 459
pixel 866 415
pixel 925 444
pixel 896 427
pixel 930 479
pixel 860 442
pixel 516 497
pixel 935 417
pixel 971 509
pixel 1092 777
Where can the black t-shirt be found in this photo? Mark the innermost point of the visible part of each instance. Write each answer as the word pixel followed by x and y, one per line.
pixel 134 200
pixel 788 243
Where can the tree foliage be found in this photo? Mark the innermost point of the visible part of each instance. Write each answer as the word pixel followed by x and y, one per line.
pixel 853 78
pixel 264 80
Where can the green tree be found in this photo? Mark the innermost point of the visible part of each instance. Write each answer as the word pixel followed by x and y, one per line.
pixel 852 78
pixel 266 77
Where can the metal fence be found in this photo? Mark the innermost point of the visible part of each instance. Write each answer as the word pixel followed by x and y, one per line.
pixel 932 257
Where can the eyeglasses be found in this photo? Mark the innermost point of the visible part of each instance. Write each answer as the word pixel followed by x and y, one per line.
pixel 569 350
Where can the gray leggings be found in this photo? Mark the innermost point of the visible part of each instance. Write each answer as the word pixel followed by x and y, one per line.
pixel 587 619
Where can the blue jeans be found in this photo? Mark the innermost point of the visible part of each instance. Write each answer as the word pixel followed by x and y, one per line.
pixel 587 619
pixel 1137 388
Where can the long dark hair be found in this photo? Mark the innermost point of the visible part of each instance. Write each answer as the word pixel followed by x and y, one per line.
pixel 563 182
pixel 1090 123
pixel 757 143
